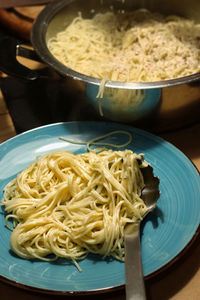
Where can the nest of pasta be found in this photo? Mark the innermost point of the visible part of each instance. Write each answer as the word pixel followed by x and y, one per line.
pixel 70 205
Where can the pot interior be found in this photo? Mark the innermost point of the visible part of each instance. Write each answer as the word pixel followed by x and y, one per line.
pixel 58 14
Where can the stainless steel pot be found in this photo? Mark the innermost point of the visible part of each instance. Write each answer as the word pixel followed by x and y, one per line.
pixel 167 104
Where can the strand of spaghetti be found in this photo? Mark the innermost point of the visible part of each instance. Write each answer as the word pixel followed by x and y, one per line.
pixel 101 88
pixel 94 140
pixel 95 143
pixel 100 94
pixel 13 217
pixel 100 107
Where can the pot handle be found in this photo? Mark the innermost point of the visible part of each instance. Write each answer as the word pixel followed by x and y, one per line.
pixel 9 63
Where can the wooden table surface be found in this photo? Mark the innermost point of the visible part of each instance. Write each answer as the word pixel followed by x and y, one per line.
pixel 182 280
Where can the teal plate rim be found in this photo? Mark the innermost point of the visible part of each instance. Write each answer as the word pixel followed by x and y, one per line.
pixel 142 140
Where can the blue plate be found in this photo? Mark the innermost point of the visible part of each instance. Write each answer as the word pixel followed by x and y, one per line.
pixel 164 235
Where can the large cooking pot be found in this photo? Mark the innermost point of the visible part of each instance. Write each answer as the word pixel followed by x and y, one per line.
pixel 165 104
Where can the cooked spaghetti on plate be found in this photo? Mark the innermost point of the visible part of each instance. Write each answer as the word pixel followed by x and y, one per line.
pixel 67 205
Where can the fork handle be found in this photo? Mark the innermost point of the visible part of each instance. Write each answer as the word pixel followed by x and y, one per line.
pixel 135 288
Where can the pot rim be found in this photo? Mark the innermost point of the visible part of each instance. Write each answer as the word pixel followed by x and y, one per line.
pixel 41 24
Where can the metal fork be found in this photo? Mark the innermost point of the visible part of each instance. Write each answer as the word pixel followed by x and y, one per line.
pixel 135 288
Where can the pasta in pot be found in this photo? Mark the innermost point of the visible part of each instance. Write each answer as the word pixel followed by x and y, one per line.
pixel 70 205
pixel 137 46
